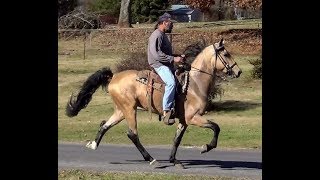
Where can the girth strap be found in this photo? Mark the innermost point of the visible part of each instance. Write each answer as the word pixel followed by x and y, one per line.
pixel 150 92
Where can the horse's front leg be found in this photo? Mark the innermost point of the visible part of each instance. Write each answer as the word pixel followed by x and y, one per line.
pixel 200 121
pixel 181 128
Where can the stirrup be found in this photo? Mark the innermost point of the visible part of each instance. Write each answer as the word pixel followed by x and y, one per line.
pixel 169 122
pixel 168 119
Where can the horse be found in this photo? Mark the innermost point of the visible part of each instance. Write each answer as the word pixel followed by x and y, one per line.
pixel 128 94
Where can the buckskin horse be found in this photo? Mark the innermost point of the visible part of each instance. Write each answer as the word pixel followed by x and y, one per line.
pixel 128 93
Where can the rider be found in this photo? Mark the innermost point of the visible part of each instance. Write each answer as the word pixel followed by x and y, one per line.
pixel 161 59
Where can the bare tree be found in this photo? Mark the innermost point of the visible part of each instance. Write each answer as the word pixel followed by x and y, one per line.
pixel 203 5
pixel 124 17
pixel 247 4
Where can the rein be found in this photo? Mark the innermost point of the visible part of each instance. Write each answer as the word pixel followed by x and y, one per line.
pixel 199 70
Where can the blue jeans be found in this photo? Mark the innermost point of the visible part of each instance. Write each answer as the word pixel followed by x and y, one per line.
pixel 166 75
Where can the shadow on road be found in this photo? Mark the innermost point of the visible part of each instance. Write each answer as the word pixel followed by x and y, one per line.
pixel 223 164
pixel 207 163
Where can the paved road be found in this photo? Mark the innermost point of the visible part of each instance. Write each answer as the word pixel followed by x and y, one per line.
pixel 217 162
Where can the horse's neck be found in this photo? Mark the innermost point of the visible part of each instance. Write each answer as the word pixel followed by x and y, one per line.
pixel 201 75
pixel 202 63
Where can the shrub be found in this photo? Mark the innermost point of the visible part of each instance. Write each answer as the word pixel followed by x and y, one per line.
pixel 134 60
pixel 216 89
pixel 256 72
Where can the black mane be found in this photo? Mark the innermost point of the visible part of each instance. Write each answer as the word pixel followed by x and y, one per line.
pixel 193 50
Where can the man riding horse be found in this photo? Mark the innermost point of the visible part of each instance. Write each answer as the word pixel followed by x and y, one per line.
pixel 128 90
pixel 161 59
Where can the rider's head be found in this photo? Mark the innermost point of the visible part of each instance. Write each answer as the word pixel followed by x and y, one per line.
pixel 164 23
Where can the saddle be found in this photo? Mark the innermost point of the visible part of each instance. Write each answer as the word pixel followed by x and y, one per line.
pixel 151 79
pixel 154 82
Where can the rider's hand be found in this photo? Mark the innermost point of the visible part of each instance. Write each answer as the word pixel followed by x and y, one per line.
pixel 178 59
pixel 183 57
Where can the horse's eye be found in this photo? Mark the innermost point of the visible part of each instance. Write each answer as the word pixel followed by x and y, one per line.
pixel 226 54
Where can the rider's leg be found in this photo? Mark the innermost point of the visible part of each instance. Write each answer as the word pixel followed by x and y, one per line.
pixel 168 98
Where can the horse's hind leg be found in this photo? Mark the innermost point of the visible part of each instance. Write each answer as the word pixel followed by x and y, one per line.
pixel 105 126
pixel 132 133
pixel 181 128
pixel 197 120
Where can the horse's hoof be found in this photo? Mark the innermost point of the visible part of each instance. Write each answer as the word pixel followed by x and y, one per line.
pixel 204 149
pixel 92 145
pixel 155 164
pixel 179 165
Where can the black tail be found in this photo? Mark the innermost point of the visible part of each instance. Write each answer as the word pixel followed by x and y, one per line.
pixel 76 103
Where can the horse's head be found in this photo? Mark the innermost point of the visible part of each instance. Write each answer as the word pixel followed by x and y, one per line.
pixel 221 60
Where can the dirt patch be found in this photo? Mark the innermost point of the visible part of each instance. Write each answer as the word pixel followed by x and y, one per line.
pixel 237 41
pixel 244 41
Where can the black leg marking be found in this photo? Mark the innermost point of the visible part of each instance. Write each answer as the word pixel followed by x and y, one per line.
pixel 101 132
pixel 176 142
pixel 135 139
pixel 213 144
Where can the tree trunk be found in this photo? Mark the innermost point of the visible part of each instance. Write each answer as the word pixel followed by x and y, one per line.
pixel 124 17
pixel 220 10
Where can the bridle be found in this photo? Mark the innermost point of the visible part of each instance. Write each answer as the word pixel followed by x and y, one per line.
pixel 226 65
pixel 222 59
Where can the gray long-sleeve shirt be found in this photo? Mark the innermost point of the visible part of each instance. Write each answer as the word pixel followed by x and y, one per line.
pixel 159 50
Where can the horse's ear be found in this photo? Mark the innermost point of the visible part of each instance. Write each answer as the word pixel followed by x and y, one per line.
pixel 221 42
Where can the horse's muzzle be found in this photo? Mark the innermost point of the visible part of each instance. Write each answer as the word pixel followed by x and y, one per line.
pixel 238 75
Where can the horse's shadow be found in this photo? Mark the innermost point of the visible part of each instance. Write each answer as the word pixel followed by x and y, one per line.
pixel 231 105
pixel 207 164
pixel 223 164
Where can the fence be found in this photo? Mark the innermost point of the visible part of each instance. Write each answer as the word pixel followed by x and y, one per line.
pixel 88 34
pixel 242 36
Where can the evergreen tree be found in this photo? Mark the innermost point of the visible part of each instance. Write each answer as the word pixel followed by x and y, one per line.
pixel 66 6
pixel 147 10
pixel 109 7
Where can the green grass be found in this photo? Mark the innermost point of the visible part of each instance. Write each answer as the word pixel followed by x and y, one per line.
pixel 236 131
pixel 217 25
pixel 80 174
pixel 238 112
